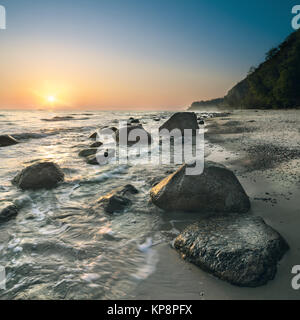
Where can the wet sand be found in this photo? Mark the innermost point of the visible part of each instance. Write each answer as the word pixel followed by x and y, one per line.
pixel 263 149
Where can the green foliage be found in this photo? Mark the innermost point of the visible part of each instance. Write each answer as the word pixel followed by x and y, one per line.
pixel 275 83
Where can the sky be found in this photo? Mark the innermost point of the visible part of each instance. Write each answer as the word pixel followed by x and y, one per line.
pixel 132 54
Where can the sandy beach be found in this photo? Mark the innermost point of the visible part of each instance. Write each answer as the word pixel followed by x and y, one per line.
pixel 263 149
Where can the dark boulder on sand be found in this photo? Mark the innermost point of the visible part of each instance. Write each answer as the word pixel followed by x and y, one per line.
pixel 181 121
pixel 39 176
pixel 117 200
pixel 8 213
pixel 127 131
pixel 216 190
pixel 6 140
pixel 241 249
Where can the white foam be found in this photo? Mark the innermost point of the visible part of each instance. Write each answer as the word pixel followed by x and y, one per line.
pixel 18 249
pixel 22 201
pixel 107 175
pixel 149 268
pixel 90 277
pixel 146 245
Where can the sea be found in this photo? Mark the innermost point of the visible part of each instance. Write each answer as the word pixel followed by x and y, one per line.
pixel 55 248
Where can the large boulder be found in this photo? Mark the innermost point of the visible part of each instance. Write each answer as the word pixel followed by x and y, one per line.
pixel 241 249
pixel 215 190
pixel 181 121
pixel 38 176
pixel 6 140
pixel 126 131
pixel 117 200
pixel 8 213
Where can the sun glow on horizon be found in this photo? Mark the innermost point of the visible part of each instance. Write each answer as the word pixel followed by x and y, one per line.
pixel 51 99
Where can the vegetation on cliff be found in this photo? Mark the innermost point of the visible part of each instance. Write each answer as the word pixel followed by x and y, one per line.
pixel 274 84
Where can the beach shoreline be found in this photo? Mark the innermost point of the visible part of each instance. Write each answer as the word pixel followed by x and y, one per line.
pixel 274 191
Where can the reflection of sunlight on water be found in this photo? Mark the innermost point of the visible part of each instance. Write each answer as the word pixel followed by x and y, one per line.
pixel 105 230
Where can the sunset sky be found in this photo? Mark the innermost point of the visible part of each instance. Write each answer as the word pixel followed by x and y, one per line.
pixel 132 54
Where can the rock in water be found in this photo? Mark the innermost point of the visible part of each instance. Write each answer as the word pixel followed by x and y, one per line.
pixel 240 249
pixel 88 152
pixel 215 190
pixel 97 144
pixel 114 203
pixel 8 213
pixel 93 136
pixel 181 121
pixel 38 176
pixel 6 140
pixel 116 200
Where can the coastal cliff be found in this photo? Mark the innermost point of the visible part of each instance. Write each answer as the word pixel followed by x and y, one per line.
pixel 274 84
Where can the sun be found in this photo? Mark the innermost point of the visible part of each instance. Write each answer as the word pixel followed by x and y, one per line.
pixel 51 99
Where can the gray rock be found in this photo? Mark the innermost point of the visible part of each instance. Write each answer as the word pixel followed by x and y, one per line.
pixel 216 190
pixel 8 213
pixel 6 140
pixel 125 131
pixel 240 249
pixel 117 200
pixel 87 152
pixel 38 176
pixel 181 121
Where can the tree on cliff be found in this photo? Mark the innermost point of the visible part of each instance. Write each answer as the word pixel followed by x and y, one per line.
pixel 275 83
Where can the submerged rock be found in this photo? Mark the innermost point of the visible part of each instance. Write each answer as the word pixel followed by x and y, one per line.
pixel 97 144
pixel 6 140
pixel 87 152
pixel 8 213
pixel 93 136
pixel 126 131
pixel 215 190
pixel 101 157
pixel 181 121
pixel 117 200
pixel 38 176
pixel 240 249
pixel 92 160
